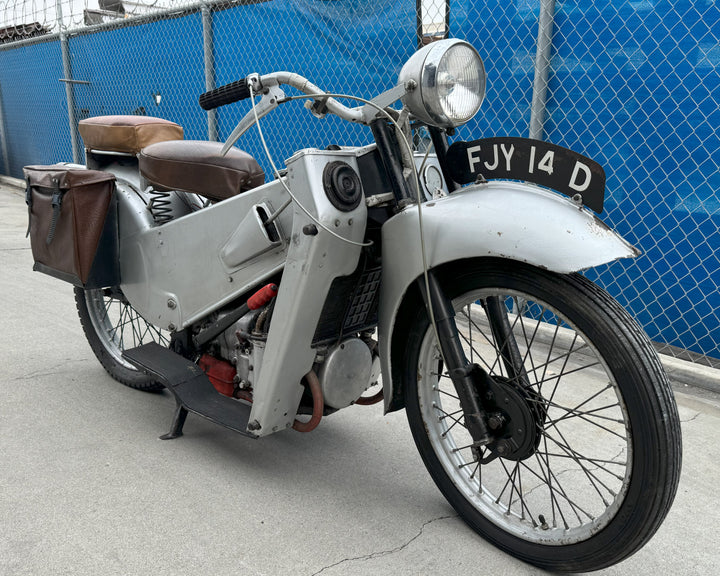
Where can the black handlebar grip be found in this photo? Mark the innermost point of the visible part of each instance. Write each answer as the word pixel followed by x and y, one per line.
pixel 227 94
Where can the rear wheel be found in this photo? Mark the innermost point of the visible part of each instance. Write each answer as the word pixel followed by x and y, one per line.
pixel 112 325
pixel 586 457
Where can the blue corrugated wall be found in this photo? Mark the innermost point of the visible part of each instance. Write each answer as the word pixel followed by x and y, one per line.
pixel 35 110
pixel 635 86
pixel 644 101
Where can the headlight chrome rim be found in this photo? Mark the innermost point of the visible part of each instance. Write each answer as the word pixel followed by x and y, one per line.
pixel 423 72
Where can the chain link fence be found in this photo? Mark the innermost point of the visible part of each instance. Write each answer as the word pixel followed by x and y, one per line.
pixel 632 84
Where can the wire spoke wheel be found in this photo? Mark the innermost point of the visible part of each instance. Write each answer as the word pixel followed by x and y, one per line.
pixel 561 484
pixel 112 326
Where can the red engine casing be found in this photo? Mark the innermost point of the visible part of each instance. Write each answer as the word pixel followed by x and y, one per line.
pixel 220 373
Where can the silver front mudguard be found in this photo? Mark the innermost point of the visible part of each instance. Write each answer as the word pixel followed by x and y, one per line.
pixel 500 219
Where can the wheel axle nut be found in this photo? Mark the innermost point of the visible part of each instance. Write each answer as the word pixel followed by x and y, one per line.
pixel 496 421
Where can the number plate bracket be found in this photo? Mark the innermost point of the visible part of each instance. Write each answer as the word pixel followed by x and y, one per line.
pixel 542 163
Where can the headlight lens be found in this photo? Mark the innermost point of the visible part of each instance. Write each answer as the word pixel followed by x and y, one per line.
pixel 449 83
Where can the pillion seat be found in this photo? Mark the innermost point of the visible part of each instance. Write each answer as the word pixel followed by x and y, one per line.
pixel 167 161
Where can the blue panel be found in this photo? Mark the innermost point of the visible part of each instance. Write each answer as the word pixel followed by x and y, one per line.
pixel 634 84
pixel 33 98
pixel 360 55
pixel 127 67
pixel 504 34
pixel 644 102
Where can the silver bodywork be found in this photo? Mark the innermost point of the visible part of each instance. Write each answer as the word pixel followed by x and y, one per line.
pixel 178 273
pixel 500 219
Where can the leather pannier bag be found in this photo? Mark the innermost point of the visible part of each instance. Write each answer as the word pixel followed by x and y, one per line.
pixel 73 224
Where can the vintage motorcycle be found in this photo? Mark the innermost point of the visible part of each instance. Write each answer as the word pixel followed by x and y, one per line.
pixel 447 280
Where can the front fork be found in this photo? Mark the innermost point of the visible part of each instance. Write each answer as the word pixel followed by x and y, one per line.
pixel 472 383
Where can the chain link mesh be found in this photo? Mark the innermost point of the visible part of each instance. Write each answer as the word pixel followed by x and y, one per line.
pixel 632 84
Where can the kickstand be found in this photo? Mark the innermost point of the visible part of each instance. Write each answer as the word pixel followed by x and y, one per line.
pixel 178 422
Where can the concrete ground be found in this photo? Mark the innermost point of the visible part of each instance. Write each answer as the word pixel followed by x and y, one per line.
pixel 86 487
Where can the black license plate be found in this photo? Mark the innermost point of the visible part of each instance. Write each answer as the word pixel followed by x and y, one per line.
pixel 528 160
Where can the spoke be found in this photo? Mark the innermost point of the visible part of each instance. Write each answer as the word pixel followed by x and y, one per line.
pixel 553 500
pixel 475 352
pixel 522 500
pixel 509 480
pixel 447 415
pixel 562 370
pixel 552 423
pixel 574 506
pixel 513 488
pixel 565 356
pixel 472 476
pixel 123 313
pixel 447 394
pixel 589 473
pixel 463 447
pixel 137 335
pixel 577 457
pixel 519 490
pixel 596 461
pixel 550 350
pixel 608 387
pixel 579 414
pixel 529 344
pixel 557 489
pixel 455 421
pixel 472 348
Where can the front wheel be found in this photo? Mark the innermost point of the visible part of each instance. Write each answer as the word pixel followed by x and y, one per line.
pixel 587 453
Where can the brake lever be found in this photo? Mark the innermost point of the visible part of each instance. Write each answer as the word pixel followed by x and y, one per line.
pixel 271 99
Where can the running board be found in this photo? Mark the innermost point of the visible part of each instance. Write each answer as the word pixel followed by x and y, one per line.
pixel 191 387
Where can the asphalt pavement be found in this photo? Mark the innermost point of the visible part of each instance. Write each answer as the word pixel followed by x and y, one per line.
pixel 87 488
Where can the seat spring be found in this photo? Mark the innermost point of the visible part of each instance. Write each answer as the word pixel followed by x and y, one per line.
pixel 160 206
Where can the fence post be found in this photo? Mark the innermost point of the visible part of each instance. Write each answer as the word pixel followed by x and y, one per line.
pixel 69 90
pixel 3 139
pixel 209 58
pixel 542 69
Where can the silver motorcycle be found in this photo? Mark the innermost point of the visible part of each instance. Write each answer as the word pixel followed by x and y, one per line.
pixel 440 279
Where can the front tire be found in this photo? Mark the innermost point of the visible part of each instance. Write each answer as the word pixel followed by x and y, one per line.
pixel 605 455
pixel 111 326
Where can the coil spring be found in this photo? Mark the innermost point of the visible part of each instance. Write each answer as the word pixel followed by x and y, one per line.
pixel 160 205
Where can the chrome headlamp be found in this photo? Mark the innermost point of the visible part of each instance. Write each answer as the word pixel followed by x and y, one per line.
pixel 445 83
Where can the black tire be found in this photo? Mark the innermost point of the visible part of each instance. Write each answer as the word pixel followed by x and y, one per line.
pixel 606 460
pixel 112 325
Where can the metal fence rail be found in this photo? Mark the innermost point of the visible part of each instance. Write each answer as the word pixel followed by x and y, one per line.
pixel 633 84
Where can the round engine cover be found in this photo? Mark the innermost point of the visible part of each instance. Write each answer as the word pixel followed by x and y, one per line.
pixel 346 373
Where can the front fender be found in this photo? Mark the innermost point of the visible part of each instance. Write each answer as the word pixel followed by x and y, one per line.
pixel 499 219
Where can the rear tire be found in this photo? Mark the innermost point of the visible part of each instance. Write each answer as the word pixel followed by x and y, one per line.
pixel 111 326
pixel 607 451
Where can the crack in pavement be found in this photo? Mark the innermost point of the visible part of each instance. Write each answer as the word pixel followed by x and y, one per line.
pixel 385 552
pixel 690 419
pixel 51 370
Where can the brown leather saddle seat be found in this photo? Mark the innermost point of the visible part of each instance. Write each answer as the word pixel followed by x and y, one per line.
pixel 170 163
pixel 196 166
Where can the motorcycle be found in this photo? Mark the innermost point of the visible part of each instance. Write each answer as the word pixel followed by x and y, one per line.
pixel 445 283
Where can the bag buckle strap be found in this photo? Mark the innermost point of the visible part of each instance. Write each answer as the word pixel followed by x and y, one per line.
pixel 29 202
pixel 57 199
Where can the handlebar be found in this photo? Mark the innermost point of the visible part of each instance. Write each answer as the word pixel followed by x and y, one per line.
pixel 240 90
